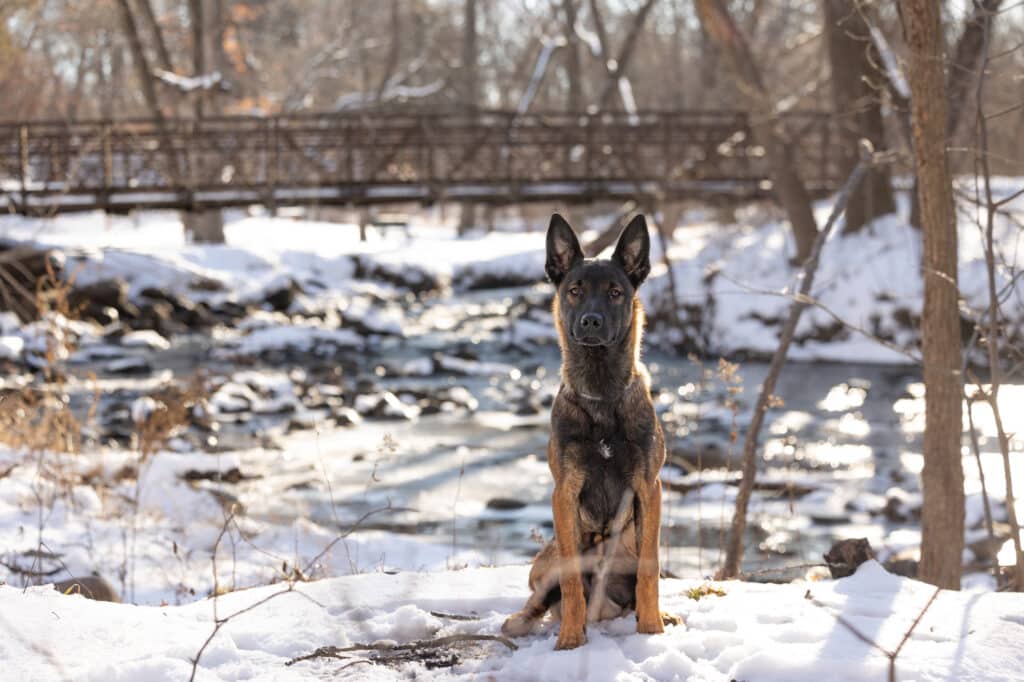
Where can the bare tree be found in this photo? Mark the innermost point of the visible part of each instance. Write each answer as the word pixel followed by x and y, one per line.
pixel 204 226
pixel 786 181
pixel 995 328
pixel 142 68
pixel 942 479
pixel 766 398
pixel 617 66
pixel 470 94
pixel 159 42
pixel 962 69
pixel 394 51
pixel 857 105
pixel 573 69
pixel 967 55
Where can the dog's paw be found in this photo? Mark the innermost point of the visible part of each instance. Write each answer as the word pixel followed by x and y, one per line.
pixel 650 626
pixel 670 619
pixel 517 625
pixel 570 640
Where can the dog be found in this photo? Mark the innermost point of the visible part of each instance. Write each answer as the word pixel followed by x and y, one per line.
pixel 606 448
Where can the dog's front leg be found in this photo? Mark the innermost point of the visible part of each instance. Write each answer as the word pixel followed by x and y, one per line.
pixel 648 614
pixel 565 505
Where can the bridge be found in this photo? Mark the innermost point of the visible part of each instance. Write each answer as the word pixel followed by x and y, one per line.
pixel 386 158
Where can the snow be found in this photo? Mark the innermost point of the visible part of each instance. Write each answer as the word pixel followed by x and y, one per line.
pixel 11 347
pixel 738 276
pixel 188 84
pixel 787 633
pixel 431 478
pixel 305 335
pixel 870 280
pixel 145 338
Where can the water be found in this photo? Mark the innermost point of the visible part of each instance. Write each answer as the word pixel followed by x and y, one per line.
pixel 481 482
pixel 840 446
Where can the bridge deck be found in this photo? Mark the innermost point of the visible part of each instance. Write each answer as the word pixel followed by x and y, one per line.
pixel 358 159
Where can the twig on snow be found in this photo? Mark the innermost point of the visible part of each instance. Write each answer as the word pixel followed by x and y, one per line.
pixel 335 652
pixel 891 655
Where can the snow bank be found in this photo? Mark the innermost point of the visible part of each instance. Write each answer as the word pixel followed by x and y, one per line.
pixel 787 633
pixel 734 285
pixel 733 281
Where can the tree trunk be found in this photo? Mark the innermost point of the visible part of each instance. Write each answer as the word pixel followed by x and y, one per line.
pixel 942 480
pixel 858 106
pixel 394 52
pixel 781 152
pixel 470 95
pixel 573 72
pixel 76 93
pixel 679 34
pixel 195 10
pixel 966 56
pixel 141 63
pixel 203 225
pixel 142 70
pixel 162 53
pixel 621 61
pixel 470 85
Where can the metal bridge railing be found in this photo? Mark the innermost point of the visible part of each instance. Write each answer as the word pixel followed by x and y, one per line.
pixel 352 158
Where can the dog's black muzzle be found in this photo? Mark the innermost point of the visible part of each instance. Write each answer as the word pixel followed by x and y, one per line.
pixel 591 329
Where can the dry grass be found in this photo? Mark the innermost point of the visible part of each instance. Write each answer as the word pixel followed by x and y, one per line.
pixel 38 417
pixel 165 413
pixel 705 590
pixel 38 420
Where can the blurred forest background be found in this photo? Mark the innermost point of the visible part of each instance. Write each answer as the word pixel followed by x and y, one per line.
pixel 71 59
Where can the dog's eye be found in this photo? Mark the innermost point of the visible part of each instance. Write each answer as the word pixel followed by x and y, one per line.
pixel 575 291
pixel 615 293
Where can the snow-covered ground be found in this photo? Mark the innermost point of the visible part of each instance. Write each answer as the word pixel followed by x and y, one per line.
pixel 784 633
pixel 373 426
pixel 869 280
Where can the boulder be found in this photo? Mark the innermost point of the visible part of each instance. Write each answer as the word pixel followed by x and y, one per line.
pixel 846 556
pixel 89 586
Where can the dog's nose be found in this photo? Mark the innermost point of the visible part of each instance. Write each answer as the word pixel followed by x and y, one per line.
pixel 591 321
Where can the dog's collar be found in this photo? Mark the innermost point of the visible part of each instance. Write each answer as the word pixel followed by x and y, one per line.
pixel 601 399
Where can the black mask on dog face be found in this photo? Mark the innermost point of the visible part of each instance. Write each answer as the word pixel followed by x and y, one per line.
pixel 595 296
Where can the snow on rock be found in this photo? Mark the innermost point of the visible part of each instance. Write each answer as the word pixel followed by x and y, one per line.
pixel 164 491
pixel 475 367
pixel 256 392
pixel 145 338
pixel 386 405
pixel 11 347
pixel 309 335
pixel 9 322
pixel 733 282
pixel 507 270
pixel 373 317
pixel 142 408
pixel 767 633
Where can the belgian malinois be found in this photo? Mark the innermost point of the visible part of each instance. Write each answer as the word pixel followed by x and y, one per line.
pixel 606 448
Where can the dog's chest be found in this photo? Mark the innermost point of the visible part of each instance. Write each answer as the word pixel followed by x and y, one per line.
pixel 608 467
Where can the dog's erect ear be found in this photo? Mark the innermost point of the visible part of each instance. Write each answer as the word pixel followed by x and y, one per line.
pixel 633 252
pixel 564 252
